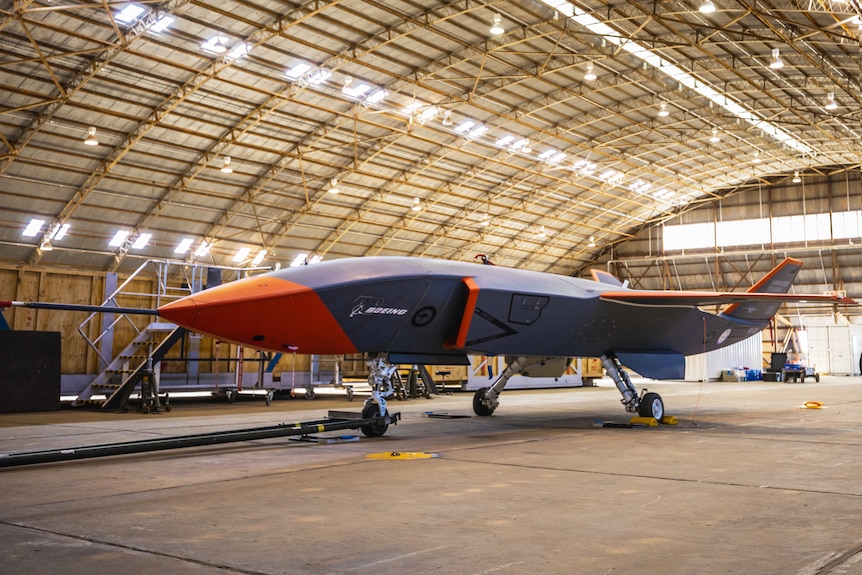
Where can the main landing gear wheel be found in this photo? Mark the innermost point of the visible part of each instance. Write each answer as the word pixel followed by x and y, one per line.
pixel 372 409
pixel 479 407
pixel 651 405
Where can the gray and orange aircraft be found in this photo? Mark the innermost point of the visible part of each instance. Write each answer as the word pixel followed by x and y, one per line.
pixel 425 311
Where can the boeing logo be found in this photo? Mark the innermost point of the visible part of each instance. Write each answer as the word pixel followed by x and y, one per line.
pixel 373 306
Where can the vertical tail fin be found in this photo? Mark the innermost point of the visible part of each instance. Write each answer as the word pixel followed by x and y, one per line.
pixel 778 280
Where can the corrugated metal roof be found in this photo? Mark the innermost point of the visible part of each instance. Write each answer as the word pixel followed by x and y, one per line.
pixel 168 111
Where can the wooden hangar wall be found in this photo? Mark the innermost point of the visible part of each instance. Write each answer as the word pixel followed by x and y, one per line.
pixel 817 220
pixel 41 284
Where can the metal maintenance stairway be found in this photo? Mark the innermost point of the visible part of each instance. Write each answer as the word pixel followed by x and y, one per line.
pixel 125 372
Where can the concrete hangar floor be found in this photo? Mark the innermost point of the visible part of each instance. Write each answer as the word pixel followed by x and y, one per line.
pixel 748 482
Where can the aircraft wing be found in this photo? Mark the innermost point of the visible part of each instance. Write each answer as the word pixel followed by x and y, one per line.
pixel 694 299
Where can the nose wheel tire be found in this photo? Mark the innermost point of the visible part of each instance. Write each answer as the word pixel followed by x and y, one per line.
pixel 370 410
pixel 479 407
pixel 651 406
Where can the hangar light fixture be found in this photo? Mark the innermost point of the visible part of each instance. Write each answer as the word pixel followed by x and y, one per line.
pixel 714 137
pixel 203 249
pixel 57 232
pixel 217 44
pixel 376 96
pixel 590 74
pixel 130 13
pixel 497 26
pixel 831 104
pixel 258 258
pixel 486 219
pixel 33 228
pixel 522 145
pixel 118 238
pixel 333 186
pixel 662 111
pixel 141 241
pixel 417 205
pixel 241 255
pixel 354 90
pixel 505 140
pixel 447 118
pixel 777 63
pixel 796 178
pixel 707 7
pixel 226 168
pixel 184 246
pixel 541 233
pixel 161 24
pixel 592 243
pixel 464 126
pixel 91 139
pixel 757 159
pixel 298 70
pixel 680 76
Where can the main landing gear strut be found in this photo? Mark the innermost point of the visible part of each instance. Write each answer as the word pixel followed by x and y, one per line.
pixel 486 399
pixel 645 405
pixel 380 379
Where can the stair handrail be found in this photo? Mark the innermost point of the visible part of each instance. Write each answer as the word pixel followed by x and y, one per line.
pixel 162 272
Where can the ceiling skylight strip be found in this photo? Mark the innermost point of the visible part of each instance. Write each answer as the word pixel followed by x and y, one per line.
pixel 597 27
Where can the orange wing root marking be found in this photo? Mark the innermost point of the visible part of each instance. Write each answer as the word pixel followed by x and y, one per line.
pixel 472 298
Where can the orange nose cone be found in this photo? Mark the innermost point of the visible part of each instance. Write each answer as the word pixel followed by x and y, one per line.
pixel 181 312
pixel 263 312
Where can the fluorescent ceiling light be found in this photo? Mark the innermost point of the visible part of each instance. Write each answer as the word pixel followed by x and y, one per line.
pixel 464 126
pixel 141 241
pixel 203 249
pixel 376 96
pixel 184 246
pixel 130 13
pixel 58 232
pixel 241 254
pixel 238 51
pixel 299 260
pixel 505 141
pixel 33 228
pixel 356 91
pixel 676 73
pixel 161 24
pixel 522 145
pixel 477 131
pixel 298 70
pixel 585 167
pixel 258 258
pixel 118 238
pixel 547 154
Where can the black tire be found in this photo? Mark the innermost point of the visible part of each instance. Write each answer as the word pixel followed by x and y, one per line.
pixel 371 409
pixel 480 408
pixel 651 406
